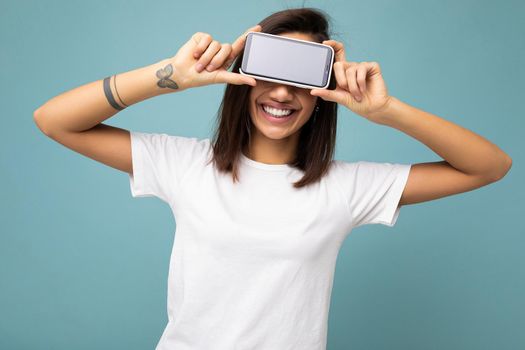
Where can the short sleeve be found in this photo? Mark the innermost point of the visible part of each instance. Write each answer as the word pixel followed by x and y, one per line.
pixel 159 162
pixel 373 191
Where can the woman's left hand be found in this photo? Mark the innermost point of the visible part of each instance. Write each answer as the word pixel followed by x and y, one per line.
pixel 360 86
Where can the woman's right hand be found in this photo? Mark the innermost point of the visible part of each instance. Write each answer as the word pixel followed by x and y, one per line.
pixel 201 49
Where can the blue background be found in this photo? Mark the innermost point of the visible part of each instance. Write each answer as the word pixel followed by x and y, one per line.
pixel 83 265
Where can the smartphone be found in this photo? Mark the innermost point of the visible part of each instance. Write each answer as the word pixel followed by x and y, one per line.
pixel 284 60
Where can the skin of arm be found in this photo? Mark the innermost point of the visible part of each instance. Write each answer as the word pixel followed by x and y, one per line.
pixel 362 89
pixel 86 106
pixel 463 149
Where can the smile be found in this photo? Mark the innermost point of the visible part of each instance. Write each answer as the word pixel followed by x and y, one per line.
pixel 280 116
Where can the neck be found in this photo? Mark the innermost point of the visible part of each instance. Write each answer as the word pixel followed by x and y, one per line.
pixel 270 151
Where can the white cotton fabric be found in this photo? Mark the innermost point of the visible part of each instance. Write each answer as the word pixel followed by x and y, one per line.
pixel 253 262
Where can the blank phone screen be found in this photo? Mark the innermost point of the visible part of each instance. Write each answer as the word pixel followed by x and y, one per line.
pixel 287 60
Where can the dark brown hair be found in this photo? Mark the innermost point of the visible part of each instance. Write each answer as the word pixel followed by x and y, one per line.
pixel 317 136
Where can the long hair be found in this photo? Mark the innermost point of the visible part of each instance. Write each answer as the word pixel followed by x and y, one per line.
pixel 317 136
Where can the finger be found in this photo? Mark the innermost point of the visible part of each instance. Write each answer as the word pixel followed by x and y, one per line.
pixel 340 76
pixel 228 63
pixel 202 40
pixel 352 82
pixel 238 44
pixel 219 57
pixel 339 50
pixel 207 56
pixel 361 76
pixel 224 76
pixel 229 60
pixel 337 95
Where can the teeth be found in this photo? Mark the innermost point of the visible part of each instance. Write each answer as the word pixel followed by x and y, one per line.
pixel 277 112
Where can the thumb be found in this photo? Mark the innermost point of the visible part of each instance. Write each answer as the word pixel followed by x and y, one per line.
pixel 329 95
pixel 234 78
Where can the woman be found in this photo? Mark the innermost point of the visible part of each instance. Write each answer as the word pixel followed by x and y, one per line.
pixel 262 210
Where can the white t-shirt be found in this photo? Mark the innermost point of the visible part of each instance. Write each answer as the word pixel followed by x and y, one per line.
pixel 252 263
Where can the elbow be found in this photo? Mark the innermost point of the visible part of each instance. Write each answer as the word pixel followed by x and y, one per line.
pixel 504 169
pixel 39 118
pixel 508 165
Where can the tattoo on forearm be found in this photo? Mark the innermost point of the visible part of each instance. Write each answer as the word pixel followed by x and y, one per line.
pixel 109 94
pixel 118 95
pixel 164 76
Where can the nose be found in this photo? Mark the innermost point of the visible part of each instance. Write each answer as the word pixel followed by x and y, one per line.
pixel 282 91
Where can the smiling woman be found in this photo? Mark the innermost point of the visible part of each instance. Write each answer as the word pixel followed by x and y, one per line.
pixel 305 139
pixel 262 209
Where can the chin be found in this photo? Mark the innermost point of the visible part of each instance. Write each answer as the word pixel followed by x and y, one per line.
pixel 273 133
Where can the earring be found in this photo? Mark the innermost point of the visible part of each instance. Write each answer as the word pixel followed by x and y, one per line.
pixel 315 113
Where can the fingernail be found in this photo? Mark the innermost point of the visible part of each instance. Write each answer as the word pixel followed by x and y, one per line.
pixel 210 68
pixel 358 98
pixel 199 67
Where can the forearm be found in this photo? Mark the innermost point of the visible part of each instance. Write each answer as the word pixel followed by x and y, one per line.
pixel 463 149
pixel 84 107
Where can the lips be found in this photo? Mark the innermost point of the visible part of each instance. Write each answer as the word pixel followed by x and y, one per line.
pixel 278 105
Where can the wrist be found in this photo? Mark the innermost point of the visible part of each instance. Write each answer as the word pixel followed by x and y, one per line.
pixel 383 115
pixel 167 77
pixel 143 83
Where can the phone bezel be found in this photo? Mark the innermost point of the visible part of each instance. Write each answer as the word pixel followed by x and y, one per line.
pixel 287 82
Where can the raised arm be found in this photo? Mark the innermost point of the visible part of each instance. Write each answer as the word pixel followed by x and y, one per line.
pixel 74 118
pixel 470 160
